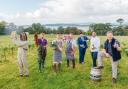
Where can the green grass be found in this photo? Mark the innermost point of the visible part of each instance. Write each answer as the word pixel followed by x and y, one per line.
pixel 68 78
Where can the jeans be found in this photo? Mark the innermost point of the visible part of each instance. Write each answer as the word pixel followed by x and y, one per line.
pixel 94 58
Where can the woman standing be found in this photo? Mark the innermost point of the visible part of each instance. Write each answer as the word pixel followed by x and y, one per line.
pixel 41 43
pixel 70 50
pixel 57 53
pixel 22 44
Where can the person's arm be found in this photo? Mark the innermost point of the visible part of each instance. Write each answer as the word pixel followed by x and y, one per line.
pixel 61 47
pixel 117 45
pixel 104 50
pixel 88 38
pixel 36 40
pixel 46 42
pixel 20 43
pixel 73 47
pixel 98 43
pixel 78 43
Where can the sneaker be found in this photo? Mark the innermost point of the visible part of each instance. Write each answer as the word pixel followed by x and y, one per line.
pixel 114 80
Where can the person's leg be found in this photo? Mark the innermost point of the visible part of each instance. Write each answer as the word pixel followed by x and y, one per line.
pixel 80 55
pixel 83 53
pixel 43 62
pixel 67 62
pixel 114 69
pixel 58 66
pixel 44 56
pixel 25 64
pixel 41 65
pixel 39 62
pixel 101 55
pixel 73 63
pixel 94 59
pixel 20 64
pixel 55 67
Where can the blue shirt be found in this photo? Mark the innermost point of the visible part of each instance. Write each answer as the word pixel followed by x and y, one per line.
pixel 82 42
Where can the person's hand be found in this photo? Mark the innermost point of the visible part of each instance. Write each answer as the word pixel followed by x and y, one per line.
pixel 72 53
pixel 93 48
pixel 119 49
pixel 60 49
pixel 13 34
pixel 107 55
pixel 82 46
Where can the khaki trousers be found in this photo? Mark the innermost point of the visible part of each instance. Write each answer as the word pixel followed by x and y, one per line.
pixel 114 64
pixel 22 61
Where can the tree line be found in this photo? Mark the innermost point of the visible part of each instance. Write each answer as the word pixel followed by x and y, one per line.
pixel 99 28
pixel 103 28
pixel 37 27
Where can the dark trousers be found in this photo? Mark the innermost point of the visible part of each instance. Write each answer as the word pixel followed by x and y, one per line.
pixel 81 55
pixel 41 57
pixel 94 58
pixel 73 63
pixel 41 62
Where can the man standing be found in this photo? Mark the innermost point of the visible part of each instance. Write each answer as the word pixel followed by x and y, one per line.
pixel 94 47
pixel 112 51
pixel 82 44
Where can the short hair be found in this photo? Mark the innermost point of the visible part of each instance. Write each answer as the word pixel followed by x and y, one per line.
pixel 43 33
pixel 93 31
pixel 109 32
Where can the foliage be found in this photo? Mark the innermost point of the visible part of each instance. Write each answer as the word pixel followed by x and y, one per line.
pixel 2 27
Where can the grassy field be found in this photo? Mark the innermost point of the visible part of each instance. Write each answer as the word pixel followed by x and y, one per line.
pixel 68 78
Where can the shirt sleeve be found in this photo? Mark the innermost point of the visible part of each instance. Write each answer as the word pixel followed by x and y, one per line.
pixel 74 43
pixel 98 43
pixel 19 43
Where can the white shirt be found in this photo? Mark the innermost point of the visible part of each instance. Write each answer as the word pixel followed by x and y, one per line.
pixel 73 41
pixel 95 43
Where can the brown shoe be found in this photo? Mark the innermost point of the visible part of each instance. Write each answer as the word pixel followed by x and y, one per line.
pixel 26 75
pixel 100 67
pixel 114 80
pixel 54 68
pixel 21 75
pixel 59 67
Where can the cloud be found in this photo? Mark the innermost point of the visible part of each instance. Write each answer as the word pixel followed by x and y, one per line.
pixel 66 11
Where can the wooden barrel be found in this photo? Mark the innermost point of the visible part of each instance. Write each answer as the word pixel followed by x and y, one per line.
pixel 95 74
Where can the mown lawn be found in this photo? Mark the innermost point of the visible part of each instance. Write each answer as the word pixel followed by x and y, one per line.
pixel 68 78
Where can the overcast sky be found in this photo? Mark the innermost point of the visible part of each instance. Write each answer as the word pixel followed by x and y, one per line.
pixel 62 11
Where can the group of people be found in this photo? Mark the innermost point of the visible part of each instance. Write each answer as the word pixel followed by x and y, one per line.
pixel 111 50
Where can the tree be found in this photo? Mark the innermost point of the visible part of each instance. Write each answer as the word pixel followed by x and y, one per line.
pixel 100 28
pixel 120 21
pixel 2 27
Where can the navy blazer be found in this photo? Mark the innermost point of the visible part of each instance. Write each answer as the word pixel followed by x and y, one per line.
pixel 82 42
pixel 116 55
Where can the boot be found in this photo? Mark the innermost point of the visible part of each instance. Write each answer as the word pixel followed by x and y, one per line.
pixel 67 62
pixel 40 67
pixel 59 66
pixel 55 67
pixel 73 63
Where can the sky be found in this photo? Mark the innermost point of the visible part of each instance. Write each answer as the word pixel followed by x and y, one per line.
pixel 26 12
